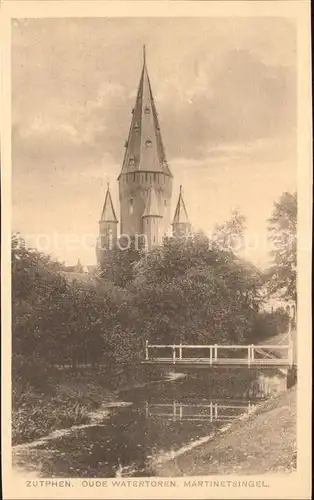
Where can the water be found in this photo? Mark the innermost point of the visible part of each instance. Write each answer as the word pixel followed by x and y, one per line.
pixel 151 424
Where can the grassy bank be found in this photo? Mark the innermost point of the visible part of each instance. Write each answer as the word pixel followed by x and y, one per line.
pixel 265 442
pixel 69 399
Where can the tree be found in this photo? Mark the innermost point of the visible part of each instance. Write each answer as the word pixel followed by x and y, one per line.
pixel 118 264
pixel 282 228
pixel 188 291
pixel 229 235
pixel 57 321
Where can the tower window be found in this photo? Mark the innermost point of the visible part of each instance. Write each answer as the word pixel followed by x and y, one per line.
pixel 148 143
pixel 154 176
pixel 137 127
pixel 165 203
pixel 131 205
pixel 147 110
pixel 131 161
pixel 154 239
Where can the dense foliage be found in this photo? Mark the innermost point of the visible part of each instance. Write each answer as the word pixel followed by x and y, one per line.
pixel 56 321
pixel 190 290
pixel 269 324
pixel 281 277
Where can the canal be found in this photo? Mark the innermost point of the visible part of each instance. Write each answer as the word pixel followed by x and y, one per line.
pixel 147 426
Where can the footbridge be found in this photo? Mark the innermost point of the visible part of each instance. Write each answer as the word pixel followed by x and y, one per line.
pixel 206 356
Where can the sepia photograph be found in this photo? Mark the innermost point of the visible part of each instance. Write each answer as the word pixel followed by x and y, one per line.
pixel 154 252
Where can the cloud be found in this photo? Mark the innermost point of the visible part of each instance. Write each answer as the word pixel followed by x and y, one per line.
pixel 242 99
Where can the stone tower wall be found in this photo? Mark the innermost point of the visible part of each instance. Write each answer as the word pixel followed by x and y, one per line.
pixel 135 186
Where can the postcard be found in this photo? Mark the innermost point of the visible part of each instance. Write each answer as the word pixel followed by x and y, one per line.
pixel 156 249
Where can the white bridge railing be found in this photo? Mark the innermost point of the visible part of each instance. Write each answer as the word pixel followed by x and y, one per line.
pixel 218 354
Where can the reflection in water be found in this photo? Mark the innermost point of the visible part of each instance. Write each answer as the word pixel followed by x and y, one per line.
pixel 197 412
pixel 128 442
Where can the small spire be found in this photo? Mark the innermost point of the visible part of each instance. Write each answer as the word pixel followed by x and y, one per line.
pixel 108 213
pixel 180 215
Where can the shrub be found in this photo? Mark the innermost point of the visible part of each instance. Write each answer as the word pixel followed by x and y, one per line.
pixel 270 324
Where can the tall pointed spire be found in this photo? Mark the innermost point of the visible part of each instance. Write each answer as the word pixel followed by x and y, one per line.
pixel 108 213
pixel 144 147
pixel 180 215
pixel 144 55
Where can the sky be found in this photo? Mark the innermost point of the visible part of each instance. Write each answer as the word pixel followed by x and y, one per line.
pixel 225 92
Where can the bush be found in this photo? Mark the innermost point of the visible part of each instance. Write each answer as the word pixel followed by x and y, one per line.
pixel 269 324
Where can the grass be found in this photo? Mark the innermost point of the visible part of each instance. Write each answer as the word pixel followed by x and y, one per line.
pixel 70 401
pixel 264 443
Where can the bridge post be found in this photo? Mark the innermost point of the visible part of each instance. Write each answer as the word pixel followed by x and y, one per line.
pixel 290 352
pixel 174 354
pixel 146 350
pixel 252 352
pixel 180 351
pixel 146 409
pixel 211 355
pixel 216 411
pixel 181 411
pixel 174 414
pixel 249 356
pixel 216 351
pixel 211 411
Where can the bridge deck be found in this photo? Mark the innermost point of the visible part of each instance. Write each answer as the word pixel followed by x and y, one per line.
pixel 219 355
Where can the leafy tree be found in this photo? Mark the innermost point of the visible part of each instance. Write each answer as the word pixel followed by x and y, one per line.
pixel 229 235
pixel 281 276
pixel 58 321
pixel 189 291
pixel 118 264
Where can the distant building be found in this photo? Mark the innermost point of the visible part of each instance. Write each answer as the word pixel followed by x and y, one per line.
pixel 78 268
pixel 80 272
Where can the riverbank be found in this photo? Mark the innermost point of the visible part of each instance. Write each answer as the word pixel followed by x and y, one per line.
pixel 265 442
pixel 70 399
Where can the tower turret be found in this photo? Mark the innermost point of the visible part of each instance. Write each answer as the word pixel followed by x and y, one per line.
pixel 152 221
pixel 181 225
pixel 107 227
pixel 144 166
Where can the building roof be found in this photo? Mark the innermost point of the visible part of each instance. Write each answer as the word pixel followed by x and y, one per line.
pixel 144 147
pixel 108 214
pixel 180 215
pixel 151 208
